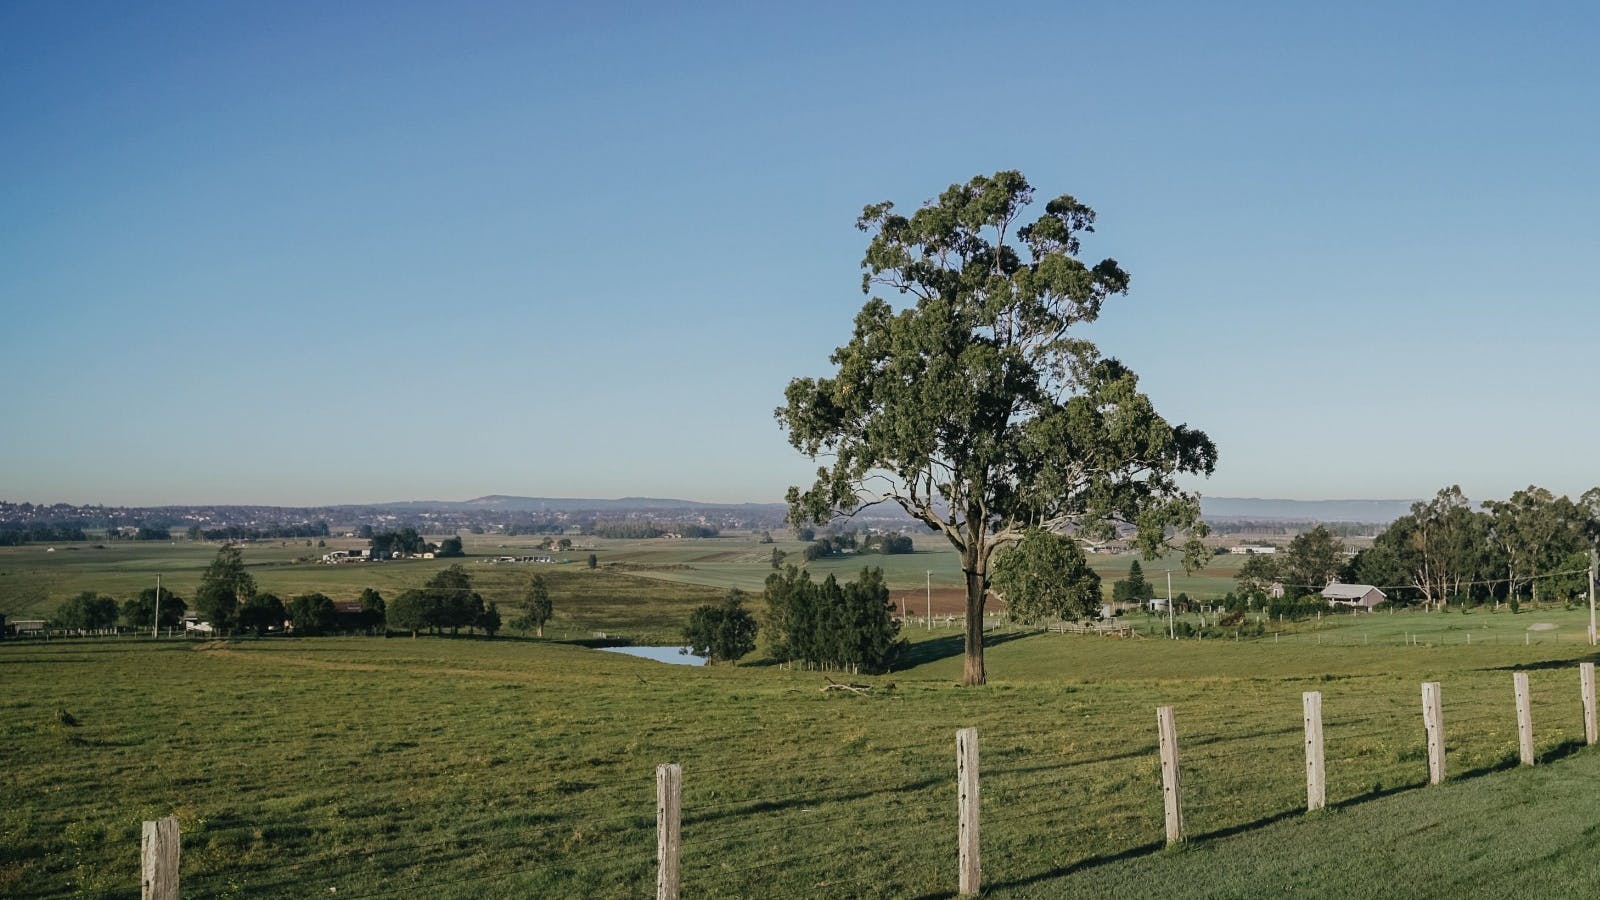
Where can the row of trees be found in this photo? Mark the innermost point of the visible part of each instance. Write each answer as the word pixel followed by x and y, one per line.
pixel 39 533
pixel 1534 544
pixel 845 543
pixel 829 625
pixel 446 600
pixel 631 530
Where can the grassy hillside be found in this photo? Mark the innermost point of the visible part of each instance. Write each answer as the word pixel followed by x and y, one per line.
pixel 464 768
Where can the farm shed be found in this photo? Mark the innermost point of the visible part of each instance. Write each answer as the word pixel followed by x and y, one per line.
pixel 1361 595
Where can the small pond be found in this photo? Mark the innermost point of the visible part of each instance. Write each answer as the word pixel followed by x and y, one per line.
pixel 674 655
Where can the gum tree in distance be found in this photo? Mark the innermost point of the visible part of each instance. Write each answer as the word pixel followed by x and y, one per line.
pixel 975 408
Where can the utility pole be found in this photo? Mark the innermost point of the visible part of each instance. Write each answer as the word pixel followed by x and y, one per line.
pixel 1172 629
pixel 1594 563
pixel 155 627
pixel 930 599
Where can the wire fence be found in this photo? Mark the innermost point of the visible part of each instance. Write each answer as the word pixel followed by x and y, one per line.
pixel 837 826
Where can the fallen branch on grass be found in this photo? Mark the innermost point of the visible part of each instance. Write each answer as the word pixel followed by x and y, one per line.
pixel 832 685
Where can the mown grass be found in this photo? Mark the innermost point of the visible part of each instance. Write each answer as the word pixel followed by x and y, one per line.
pixel 465 768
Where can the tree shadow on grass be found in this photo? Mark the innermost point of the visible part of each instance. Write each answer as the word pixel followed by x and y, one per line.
pixel 946 646
pixel 1059 871
pixel 1545 664
pixel 739 808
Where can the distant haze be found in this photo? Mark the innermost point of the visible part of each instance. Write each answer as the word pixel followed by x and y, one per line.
pixel 1373 511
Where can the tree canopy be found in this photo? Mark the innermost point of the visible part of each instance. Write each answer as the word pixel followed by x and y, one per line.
pixel 224 587
pixel 1046 576
pixel 721 632
pixel 536 607
pixel 977 408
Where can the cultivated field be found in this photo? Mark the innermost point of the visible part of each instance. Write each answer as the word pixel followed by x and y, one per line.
pixel 469 768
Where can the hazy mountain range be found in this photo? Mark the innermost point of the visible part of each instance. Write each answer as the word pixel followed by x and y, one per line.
pixel 1251 508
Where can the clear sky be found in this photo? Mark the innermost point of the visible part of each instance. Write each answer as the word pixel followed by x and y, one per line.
pixel 309 252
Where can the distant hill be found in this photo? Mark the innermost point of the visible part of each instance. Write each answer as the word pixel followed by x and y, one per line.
pixel 1218 508
pixel 1379 512
pixel 511 503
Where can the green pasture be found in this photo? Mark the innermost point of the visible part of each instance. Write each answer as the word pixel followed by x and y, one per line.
pixel 466 767
pixel 675 574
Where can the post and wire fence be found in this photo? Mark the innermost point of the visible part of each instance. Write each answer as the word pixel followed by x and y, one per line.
pixel 919 821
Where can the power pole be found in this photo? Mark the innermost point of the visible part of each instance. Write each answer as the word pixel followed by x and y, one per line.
pixel 1594 563
pixel 930 599
pixel 155 627
pixel 1172 629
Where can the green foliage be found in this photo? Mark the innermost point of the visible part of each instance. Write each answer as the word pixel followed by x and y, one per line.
pixel 450 547
pixel 490 620
pixel 1047 576
pixel 451 601
pixel 140 611
pixel 536 607
pixel 723 632
pixel 405 540
pixel 849 627
pixel 372 604
pixel 778 556
pixel 977 408
pixel 1135 588
pixel 224 587
pixel 594 561
pixel 262 612
pixel 1312 559
pixel 313 614
pixel 86 612
pixel 408 612
pixel 1535 532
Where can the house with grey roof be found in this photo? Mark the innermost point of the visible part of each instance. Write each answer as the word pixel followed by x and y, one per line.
pixel 1361 596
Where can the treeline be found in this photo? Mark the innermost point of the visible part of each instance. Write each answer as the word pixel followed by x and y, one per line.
pixel 828 625
pixel 229 600
pixel 404 540
pixel 629 530
pixel 1533 546
pixel 318 528
pixel 39 533
pixel 846 543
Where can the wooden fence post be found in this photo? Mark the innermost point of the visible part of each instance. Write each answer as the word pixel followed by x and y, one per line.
pixel 1316 776
pixel 1591 732
pixel 669 819
pixel 1433 721
pixel 1519 683
pixel 1171 788
pixel 158 856
pixel 967 799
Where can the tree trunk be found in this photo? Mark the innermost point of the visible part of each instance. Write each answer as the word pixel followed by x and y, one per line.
pixel 972 673
pixel 539 631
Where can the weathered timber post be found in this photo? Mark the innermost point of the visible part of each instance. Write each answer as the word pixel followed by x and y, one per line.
pixel 1316 776
pixel 967 800
pixel 669 820
pixel 1519 684
pixel 1171 787
pixel 158 857
pixel 1433 721
pixel 1591 732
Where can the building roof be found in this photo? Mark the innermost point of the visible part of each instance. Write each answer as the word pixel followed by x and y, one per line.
pixel 1337 591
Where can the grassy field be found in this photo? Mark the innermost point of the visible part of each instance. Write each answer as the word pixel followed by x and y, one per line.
pixel 674 574
pixel 464 768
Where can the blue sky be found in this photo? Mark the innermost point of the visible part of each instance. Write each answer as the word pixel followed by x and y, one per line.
pixel 303 252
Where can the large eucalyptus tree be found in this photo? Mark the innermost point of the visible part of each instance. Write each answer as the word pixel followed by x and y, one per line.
pixel 976 407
